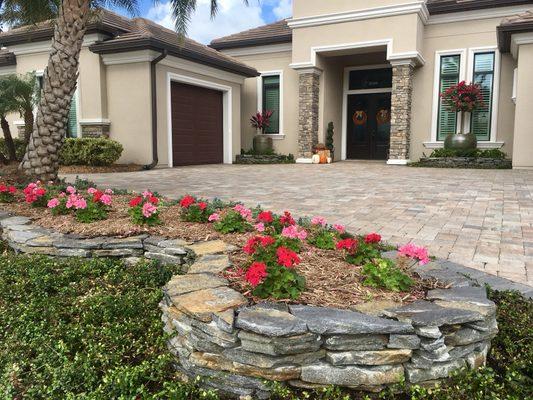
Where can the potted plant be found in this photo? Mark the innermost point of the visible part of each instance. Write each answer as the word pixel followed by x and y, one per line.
pixel 462 98
pixel 262 142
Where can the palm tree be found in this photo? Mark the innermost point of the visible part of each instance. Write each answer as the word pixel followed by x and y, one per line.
pixel 70 18
pixel 7 106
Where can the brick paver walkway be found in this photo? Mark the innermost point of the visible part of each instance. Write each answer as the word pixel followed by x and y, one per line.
pixel 480 218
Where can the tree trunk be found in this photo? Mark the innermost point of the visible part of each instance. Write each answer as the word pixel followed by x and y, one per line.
pixel 28 125
pixel 10 145
pixel 3 159
pixel 59 83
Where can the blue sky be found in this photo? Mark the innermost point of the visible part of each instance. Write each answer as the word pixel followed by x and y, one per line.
pixel 233 16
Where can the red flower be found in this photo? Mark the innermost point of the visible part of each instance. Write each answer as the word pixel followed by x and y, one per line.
pixel 202 205
pixel 154 200
pixel 267 241
pixel 350 245
pixel 287 257
pixel 256 273
pixel 265 217
pixel 12 189
pixel 287 219
pixel 187 201
pixel 136 201
pixel 372 238
pixel 250 246
pixel 3 188
pixel 97 196
pixel 40 192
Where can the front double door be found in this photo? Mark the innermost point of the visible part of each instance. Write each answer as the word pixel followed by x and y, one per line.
pixel 368 126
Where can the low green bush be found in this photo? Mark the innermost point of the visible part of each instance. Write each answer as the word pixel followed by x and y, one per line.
pixel 20 148
pixel 475 153
pixel 90 151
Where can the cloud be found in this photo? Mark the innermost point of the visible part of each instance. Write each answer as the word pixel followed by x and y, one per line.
pixel 233 16
pixel 283 9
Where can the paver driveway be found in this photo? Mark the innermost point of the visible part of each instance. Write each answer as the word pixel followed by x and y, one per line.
pixel 481 218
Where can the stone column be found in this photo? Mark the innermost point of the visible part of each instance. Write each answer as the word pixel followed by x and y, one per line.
pixel 309 91
pixel 402 89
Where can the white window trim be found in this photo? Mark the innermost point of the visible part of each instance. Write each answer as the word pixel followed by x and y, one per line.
pixel 495 88
pixel 347 92
pixel 227 104
pixel 281 134
pixel 436 86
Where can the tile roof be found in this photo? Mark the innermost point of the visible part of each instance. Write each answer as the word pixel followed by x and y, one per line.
pixel 134 34
pixel 520 23
pixel 277 32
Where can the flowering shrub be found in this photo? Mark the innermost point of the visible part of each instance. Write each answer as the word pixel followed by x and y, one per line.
pixel 410 250
pixel 7 193
pixel 58 205
pixel 144 209
pixel 193 210
pixel 384 274
pixel 35 194
pixel 360 251
pixel 95 208
pixel 238 219
pixel 463 97
pixel 271 272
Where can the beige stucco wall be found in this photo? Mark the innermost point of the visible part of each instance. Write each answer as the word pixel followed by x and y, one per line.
pixel 307 8
pixel 128 101
pixel 162 102
pixel 265 63
pixel 523 138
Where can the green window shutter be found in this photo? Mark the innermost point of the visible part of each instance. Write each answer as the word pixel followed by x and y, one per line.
pixel 449 76
pixel 481 120
pixel 271 101
pixel 72 128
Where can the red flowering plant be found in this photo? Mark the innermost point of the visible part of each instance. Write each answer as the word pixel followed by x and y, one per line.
pixel 36 194
pixel 7 193
pixel 92 207
pixel 361 250
pixel 261 120
pixel 271 272
pixel 463 97
pixel 144 209
pixel 195 210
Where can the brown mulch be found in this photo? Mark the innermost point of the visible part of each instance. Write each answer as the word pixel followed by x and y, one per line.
pixel 330 281
pixel 85 169
pixel 10 174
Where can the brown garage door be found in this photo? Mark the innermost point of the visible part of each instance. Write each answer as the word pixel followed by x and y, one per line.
pixel 197 119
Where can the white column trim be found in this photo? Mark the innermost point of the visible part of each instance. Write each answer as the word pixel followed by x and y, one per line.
pixel 227 113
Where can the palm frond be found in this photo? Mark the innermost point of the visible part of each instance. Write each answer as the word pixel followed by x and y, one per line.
pixel 130 6
pixel 27 12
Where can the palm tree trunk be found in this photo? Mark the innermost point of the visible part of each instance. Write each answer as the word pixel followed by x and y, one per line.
pixel 59 83
pixel 28 125
pixel 10 145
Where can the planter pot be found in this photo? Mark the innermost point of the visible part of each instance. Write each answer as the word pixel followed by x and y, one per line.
pixel 263 144
pixel 461 141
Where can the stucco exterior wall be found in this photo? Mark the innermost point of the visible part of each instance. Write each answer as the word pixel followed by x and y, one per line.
pixel 307 8
pixel 523 138
pixel 163 94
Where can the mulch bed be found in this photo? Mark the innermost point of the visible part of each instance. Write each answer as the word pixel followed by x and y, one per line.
pixel 85 169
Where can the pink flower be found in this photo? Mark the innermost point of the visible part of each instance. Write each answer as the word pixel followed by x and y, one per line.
pixel 108 191
pixel 148 209
pixel 147 193
pixel 339 228
pixel 71 190
pixel 292 232
pixel 92 190
pixel 214 217
pixel 105 199
pixel 260 227
pixel 415 252
pixel 246 213
pixel 53 203
pixel 318 221
pixel 80 203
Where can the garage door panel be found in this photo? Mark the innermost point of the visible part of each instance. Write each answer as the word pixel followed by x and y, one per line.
pixel 197 125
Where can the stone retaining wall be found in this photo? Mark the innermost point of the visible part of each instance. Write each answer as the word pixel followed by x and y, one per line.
pixel 235 346
pixel 465 162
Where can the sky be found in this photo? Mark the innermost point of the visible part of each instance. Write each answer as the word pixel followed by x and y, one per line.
pixel 233 16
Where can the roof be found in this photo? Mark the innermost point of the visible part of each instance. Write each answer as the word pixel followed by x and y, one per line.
pixel 103 21
pixel 450 6
pixel 125 34
pixel 277 32
pixel 512 25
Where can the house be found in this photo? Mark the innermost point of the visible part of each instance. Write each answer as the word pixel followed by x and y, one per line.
pixel 374 68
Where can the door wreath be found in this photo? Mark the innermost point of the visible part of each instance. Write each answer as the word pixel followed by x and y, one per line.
pixel 359 118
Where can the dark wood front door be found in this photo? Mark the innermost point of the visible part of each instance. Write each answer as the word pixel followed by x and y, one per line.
pixel 368 126
pixel 197 125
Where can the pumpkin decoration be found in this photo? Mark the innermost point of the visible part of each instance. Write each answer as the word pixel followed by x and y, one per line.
pixel 323 156
pixel 360 118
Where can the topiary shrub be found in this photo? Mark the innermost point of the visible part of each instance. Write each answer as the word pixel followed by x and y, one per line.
pixel 90 151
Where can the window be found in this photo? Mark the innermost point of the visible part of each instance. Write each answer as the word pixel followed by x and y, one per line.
pixel 370 79
pixel 72 127
pixel 271 101
pixel 481 120
pixel 450 67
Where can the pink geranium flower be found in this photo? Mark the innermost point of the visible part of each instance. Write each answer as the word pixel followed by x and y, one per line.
pixel 292 232
pixel 415 252
pixel 214 217
pixel 260 227
pixel 106 199
pixel 318 221
pixel 148 209
pixel 246 213
pixel 92 190
pixel 71 190
pixel 53 203
pixel 339 228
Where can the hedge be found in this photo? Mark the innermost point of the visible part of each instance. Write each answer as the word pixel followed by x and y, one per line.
pixel 90 151
pixel 474 153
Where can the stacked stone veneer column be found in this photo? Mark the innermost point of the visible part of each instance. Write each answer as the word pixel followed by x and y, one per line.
pixel 309 93
pixel 401 100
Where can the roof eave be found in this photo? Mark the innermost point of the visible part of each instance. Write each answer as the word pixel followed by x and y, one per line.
pixel 151 44
pixel 251 42
pixel 505 33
